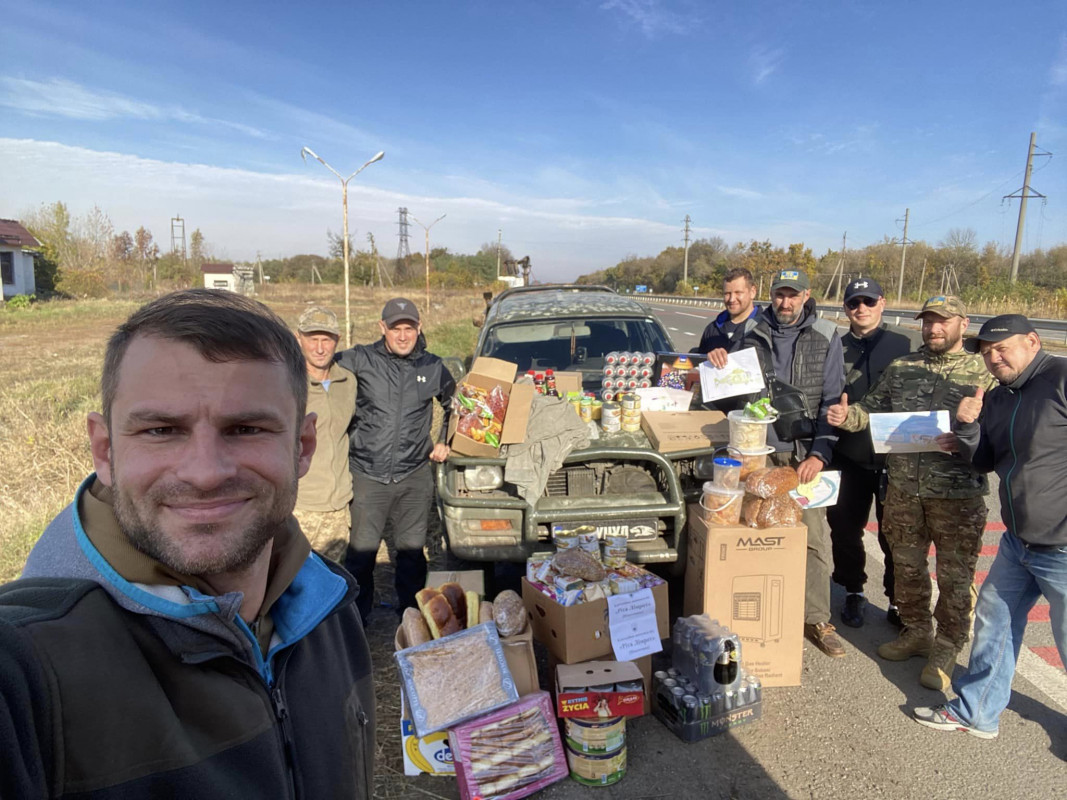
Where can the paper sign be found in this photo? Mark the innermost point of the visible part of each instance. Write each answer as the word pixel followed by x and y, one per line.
pixel 819 493
pixel 741 375
pixel 908 432
pixel 632 623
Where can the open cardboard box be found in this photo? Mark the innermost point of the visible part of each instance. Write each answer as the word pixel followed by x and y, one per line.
pixel 575 696
pixel 673 431
pixel 752 581
pixel 580 632
pixel 488 373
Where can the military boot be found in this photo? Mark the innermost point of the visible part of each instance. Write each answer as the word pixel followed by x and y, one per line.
pixel 937 674
pixel 910 643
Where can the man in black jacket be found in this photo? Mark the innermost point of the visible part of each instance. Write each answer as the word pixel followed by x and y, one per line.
pixel 1022 435
pixel 391 449
pixel 869 346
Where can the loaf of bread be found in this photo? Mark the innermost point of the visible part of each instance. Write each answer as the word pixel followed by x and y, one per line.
pixel 750 508
pixel 509 613
pixel 577 563
pixel 416 631
pixel 780 511
pixel 456 598
pixel 772 481
pixel 438 614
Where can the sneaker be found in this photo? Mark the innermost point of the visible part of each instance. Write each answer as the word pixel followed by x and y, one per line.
pixel 892 616
pixel 854 609
pixel 822 636
pixel 909 643
pixel 940 718
pixel 937 674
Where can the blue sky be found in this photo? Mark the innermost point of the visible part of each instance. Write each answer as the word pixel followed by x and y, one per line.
pixel 585 130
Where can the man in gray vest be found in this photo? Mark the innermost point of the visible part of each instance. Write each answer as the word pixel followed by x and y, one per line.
pixel 806 353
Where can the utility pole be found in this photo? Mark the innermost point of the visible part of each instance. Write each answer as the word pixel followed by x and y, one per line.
pixel 903 256
pixel 498 234
pixel 839 271
pixel 259 266
pixel 685 273
pixel 1023 194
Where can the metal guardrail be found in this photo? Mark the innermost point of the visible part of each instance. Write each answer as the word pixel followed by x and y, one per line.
pixel 893 316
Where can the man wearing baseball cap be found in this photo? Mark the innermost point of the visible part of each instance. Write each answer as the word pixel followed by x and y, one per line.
pixel 391 449
pixel 869 346
pixel 326 490
pixel 932 497
pixel 1018 430
pixel 805 352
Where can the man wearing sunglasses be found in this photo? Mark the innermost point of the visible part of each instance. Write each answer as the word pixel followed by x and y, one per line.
pixel 869 346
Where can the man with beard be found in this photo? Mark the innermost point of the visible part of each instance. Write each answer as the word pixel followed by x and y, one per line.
pixel 1021 435
pixel 933 497
pixel 173 634
pixel 391 449
pixel 805 352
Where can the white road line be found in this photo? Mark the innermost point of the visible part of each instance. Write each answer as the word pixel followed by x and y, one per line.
pixel 686 314
pixel 1050 680
pixel 673 329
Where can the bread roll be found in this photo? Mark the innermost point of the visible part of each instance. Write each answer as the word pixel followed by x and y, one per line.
pixel 456 598
pixel 414 626
pixel 579 564
pixel 437 612
pixel 509 613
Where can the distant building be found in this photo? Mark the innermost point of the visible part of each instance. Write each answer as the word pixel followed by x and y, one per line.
pixel 219 275
pixel 16 258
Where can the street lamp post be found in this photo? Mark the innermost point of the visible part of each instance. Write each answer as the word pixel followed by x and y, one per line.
pixel 427 229
pixel 304 153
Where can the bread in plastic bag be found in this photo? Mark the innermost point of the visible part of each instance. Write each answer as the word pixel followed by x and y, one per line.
pixel 580 564
pixel 772 481
pixel 780 511
pixel 750 508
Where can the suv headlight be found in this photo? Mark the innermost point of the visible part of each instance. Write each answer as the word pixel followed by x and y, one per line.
pixel 483 478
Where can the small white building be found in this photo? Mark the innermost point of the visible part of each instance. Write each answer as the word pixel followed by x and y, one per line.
pixel 219 275
pixel 16 258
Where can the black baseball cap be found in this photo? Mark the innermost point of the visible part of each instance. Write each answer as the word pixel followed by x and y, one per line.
pixel 863 287
pixel 998 329
pixel 399 309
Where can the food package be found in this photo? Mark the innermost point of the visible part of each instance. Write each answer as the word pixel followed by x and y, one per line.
pixel 456 678
pixel 509 613
pixel 772 481
pixel 721 505
pixel 511 753
pixel 580 564
pixel 780 511
pixel 752 460
pixel 750 508
pixel 480 412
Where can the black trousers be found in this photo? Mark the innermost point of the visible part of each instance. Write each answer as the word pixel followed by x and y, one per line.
pixel 859 487
pixel 402 507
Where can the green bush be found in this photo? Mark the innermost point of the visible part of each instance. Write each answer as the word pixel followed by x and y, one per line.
pixel 20 302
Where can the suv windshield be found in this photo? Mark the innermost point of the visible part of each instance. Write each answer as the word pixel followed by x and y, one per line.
pixel 572 345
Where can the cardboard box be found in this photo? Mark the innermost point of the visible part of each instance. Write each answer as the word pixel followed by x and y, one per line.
pixel 575 696
pixel 643 664
pixel 488 373
pixel 431 754
pixel 472 580
pixel 580 632
pixel 752 581
pixel 671 431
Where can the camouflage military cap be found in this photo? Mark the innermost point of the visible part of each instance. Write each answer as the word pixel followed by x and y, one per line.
pixel 317 319
pixel 946 306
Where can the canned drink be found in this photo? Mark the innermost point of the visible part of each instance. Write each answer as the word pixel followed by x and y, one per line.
pixel 607 383
pixel 672 672
pixel 607 395
pixel 632 383
pixel 718 702
pixel 659 674
pixel 669 682
pixel 644 372
pixel 644 383
pixel 690 704
pixel 624 358
pixel 612 358
pixel 633 371
pixel 648 359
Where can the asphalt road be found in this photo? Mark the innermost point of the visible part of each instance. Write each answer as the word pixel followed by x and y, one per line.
pixel 846 733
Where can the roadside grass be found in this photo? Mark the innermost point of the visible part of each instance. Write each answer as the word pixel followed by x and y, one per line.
pixel 50 357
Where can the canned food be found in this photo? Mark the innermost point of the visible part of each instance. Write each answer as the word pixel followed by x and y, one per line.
pixel 610 410
pixel 630 401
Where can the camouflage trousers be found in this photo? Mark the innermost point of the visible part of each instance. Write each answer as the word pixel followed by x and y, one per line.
pixel 326 530
pixel 954 527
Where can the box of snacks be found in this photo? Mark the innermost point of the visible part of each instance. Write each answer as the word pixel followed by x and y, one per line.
pixel 489 409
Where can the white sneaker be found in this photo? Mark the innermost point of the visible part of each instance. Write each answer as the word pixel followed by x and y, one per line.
pixel 941 719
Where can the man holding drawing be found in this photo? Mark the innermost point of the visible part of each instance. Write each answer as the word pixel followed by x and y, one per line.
pixel 933 497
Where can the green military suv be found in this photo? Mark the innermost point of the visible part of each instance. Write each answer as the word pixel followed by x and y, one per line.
pixel 620 483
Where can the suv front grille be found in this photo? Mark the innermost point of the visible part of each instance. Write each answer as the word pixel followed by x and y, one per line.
pixel 592 481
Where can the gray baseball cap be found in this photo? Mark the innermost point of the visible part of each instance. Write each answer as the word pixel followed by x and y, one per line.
pixel 399 309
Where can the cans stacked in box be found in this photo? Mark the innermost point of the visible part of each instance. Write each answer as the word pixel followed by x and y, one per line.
pixel 625 371
pixel 706 691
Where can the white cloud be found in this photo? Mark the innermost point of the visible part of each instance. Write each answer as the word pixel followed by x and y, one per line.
pixel 737 191
pixel 764 62
pixel 62 98
pixel 650 17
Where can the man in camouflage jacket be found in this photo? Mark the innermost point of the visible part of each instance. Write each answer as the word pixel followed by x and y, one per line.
pixel 933 497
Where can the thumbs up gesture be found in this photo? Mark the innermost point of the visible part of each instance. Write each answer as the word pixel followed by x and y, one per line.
pixel 836 413
pixel 970 407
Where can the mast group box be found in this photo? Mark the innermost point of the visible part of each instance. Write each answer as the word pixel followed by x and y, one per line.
pixel 752 581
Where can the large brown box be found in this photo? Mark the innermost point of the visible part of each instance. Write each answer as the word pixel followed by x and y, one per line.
pixel 580 632
pixel 752 581
pixel 671 431
pixel 487 373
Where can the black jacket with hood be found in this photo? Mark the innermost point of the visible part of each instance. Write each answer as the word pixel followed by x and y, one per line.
pixel 390 434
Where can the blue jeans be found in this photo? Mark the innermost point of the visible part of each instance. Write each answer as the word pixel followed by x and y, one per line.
pixel 1018 577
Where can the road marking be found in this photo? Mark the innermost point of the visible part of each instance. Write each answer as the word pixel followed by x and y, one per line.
pixel 673 329
pixel 686 314
pixel 1031 666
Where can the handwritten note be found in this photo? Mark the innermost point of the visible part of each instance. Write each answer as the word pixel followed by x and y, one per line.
pixel 632 622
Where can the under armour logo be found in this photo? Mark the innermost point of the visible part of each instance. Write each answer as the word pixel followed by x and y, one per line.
pixel 860 285
pixel 420 378
pixel 402 305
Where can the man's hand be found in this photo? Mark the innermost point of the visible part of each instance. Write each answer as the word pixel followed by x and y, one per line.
pixel 717 357
pixel 837 413
pixel 970 407
pixel 947 443
pixel 809 469
pixel 440 452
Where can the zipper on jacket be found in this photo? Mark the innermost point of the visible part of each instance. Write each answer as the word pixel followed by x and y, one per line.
pixel 281 713
pixel 1015 463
